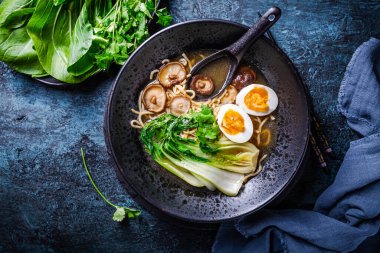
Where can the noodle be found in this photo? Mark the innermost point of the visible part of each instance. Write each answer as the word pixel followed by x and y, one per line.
pixel 136 124
pixel 183 61
pixel 258 131
pixel 180 90
pixel 188 92
pixel 268 139
pixel 176 90
pixel 152 74
pixel 143 115
pixel 257 119
pixel 256 172
pixel 139 123
pixel 187 59
pixel 189 134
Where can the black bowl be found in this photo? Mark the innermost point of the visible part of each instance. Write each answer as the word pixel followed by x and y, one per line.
pixel 163 193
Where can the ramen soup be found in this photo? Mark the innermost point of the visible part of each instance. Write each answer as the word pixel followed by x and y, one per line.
pixel 219 143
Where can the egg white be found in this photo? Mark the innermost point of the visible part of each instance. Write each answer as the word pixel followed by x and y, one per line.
pixel 272 99
pixel 248 126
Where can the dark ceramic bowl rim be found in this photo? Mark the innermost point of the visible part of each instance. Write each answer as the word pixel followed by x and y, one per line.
pixel 107 132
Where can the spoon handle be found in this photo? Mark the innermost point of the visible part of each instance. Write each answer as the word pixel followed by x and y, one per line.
pixel 260 27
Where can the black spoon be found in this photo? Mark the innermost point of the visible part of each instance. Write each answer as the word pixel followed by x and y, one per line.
pixel 235 52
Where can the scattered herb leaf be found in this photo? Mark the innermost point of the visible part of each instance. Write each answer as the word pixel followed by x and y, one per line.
pixel 121 212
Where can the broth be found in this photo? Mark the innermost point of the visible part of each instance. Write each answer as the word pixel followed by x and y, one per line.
pixel 172 121
pixel 218 71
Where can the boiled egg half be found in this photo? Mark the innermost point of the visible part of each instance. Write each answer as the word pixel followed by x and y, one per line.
pixel 235 123
pixel 257 100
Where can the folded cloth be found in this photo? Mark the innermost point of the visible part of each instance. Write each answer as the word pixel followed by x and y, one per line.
pixel 359 95
pixel 348 211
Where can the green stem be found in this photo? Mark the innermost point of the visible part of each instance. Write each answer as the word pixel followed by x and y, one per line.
pixel 92 181
pixel 100 40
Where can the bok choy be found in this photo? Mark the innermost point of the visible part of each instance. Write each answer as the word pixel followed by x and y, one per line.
pixel 204 160
pixel 73 39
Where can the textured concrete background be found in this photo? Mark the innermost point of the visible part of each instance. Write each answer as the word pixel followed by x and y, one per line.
pixel 46 201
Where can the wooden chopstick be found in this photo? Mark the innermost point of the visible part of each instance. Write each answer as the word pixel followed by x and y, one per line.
pixel 318 153
pixel 322 139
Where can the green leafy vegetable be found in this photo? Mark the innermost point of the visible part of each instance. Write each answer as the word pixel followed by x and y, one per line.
pixel 123 30
pixel 208 160
pixel 73 39
pixel 18 18
pixel 16 47
pixel 51 29
pixel 80 60
pixel 164 17
pixel 59 2
pixel 121 212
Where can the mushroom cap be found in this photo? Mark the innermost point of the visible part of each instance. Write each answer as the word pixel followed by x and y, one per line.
pixel 243 77
pixel 202 85
pixel 180 105
pixel 230 96
pixel 171 73
pixel 154 97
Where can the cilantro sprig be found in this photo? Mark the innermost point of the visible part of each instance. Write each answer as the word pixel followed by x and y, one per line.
pixel 164 17
pixel 121 212
pixel 124 28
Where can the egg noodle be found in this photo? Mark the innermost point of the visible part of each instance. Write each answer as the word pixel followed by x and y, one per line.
pixel 144 115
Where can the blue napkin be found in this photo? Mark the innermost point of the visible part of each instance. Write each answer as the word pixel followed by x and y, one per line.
pixel 348 211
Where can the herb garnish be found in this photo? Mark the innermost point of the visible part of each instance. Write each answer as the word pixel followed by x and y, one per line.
pixel 121 212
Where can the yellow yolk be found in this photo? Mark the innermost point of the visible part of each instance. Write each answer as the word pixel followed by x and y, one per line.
pixel 233 122
pixel 257 99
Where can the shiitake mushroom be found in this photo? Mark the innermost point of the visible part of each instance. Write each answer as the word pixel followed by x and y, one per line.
pixel 230 95
pixel 154 98
pixel 202 85
pixel 180 105
pixel 171 73
pixel 243 77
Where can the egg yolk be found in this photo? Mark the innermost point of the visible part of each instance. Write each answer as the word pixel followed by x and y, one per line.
pixel 233 122
pixel 257 99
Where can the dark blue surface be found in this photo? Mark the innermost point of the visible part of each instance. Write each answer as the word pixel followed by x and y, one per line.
pixel 46 201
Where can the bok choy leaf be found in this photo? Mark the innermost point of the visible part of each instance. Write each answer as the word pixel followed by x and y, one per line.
pixel 16 47
pixel 208 160
pixel 52 31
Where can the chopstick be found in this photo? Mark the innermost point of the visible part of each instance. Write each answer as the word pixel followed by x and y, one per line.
pixel 317 133
pixel 318 153
pixel 321 135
